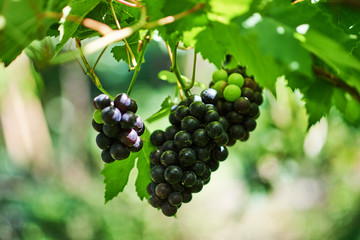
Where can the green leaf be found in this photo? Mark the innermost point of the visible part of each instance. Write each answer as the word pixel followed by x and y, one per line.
pixel 225 10
pixel 143 165
pixel 168 76
pixel 78 8
pixel 164 110
pixel 116 176
pixel 119 52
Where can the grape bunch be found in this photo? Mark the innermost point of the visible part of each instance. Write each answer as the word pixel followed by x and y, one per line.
pixel 238 102
pixel 187 152
pixel 118 126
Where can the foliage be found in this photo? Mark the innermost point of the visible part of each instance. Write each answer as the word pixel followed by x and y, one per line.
pixel 314 44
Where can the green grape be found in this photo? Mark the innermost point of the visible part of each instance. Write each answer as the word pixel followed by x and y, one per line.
pixel 219 75
pixel 219 87
pixel 232 92
pixel 97 116
pixel 237 79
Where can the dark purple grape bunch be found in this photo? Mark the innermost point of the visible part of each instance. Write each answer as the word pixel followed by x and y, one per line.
pixel 187 152
pixel 238 102
pixel 118 126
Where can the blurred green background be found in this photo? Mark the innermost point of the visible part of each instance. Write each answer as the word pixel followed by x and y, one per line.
pixel 283 183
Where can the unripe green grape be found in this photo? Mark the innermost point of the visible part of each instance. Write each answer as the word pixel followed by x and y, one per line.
pixel 237 79
pixel 232 92
pixel 97 116
pixel 219 87
pixel 220 74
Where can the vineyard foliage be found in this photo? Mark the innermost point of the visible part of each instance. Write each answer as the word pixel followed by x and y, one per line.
pixel 314 44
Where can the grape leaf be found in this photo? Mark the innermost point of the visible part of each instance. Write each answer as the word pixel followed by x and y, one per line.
pixel 78 8
pixel 168 76
pixel 116 176
pixel 164 110
pixel 143 166
pixel 119 52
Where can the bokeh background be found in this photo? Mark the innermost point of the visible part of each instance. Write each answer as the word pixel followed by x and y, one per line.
pixel 286 182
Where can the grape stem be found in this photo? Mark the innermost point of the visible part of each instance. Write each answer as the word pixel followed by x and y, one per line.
pixel 193 73
pixel 127 3
pixel 175 69
pixel 127 46
pixel 337 82
pixel 90 71
pixel 172 63
pixel 139 61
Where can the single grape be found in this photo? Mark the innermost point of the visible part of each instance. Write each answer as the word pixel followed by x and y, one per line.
pixel 192 98
pixel 148 188
pixel 190 124
pixel 111 115
pixel 249 83
pixel 155 201
pixel 173 174
pixel 181 112
pixel 173 119
pixel 237 131
pixel 227 106
pixel 163 190
pixel 220 74
pixel 168 209
pixel 137 146
pixel 157 138
pixel 232 92
pixel 219 153
pixel 188 179
pixel 210 107
pixel 139 126
pixel 211 116
pixel 133 106
pixel 254 111
pixel 213 165
pixel 222 140
pixel 249 124
pixel 128 120
pixel 119 151
pixel 199 168
pixel 187 157
pixel 234 117
pixel 200 137
pixel 186 196
pixel 183 139
pixel 203 153
pixel 231 142
pixel 170 132
pixel 177 187
pixel 103 142
pixel 102 101
pixel 128 137
pixel 197 109
pixel 106 156
pixel 111 131
pixel 242 105
pixel 175 199
pixel 209 95
pixel 155 156
pixel 258 99
pixel 168 158
pixel 169 145
pixel 97 116
pixel 219 87
pixel 224 122
pixel 214 129
pixel 157 173
pixel 97 126
pixel 237 79
pixel 248 93
pixel 206 176
pixel 122 102
pixel 198 186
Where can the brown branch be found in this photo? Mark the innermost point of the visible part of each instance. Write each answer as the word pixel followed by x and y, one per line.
pixel 337 82
pixel 100 27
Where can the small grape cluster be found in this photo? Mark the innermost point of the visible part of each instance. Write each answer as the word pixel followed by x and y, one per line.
pixel 118 126
pixel 187 152
pixel 239 100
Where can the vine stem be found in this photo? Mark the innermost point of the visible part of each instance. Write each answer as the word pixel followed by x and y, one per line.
pixel 172 63
pixel 175 69
pixel 90 71
pixel 193 73
pixel 127 3
pixel 337 82
pixel 128 49
pixel 139 61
